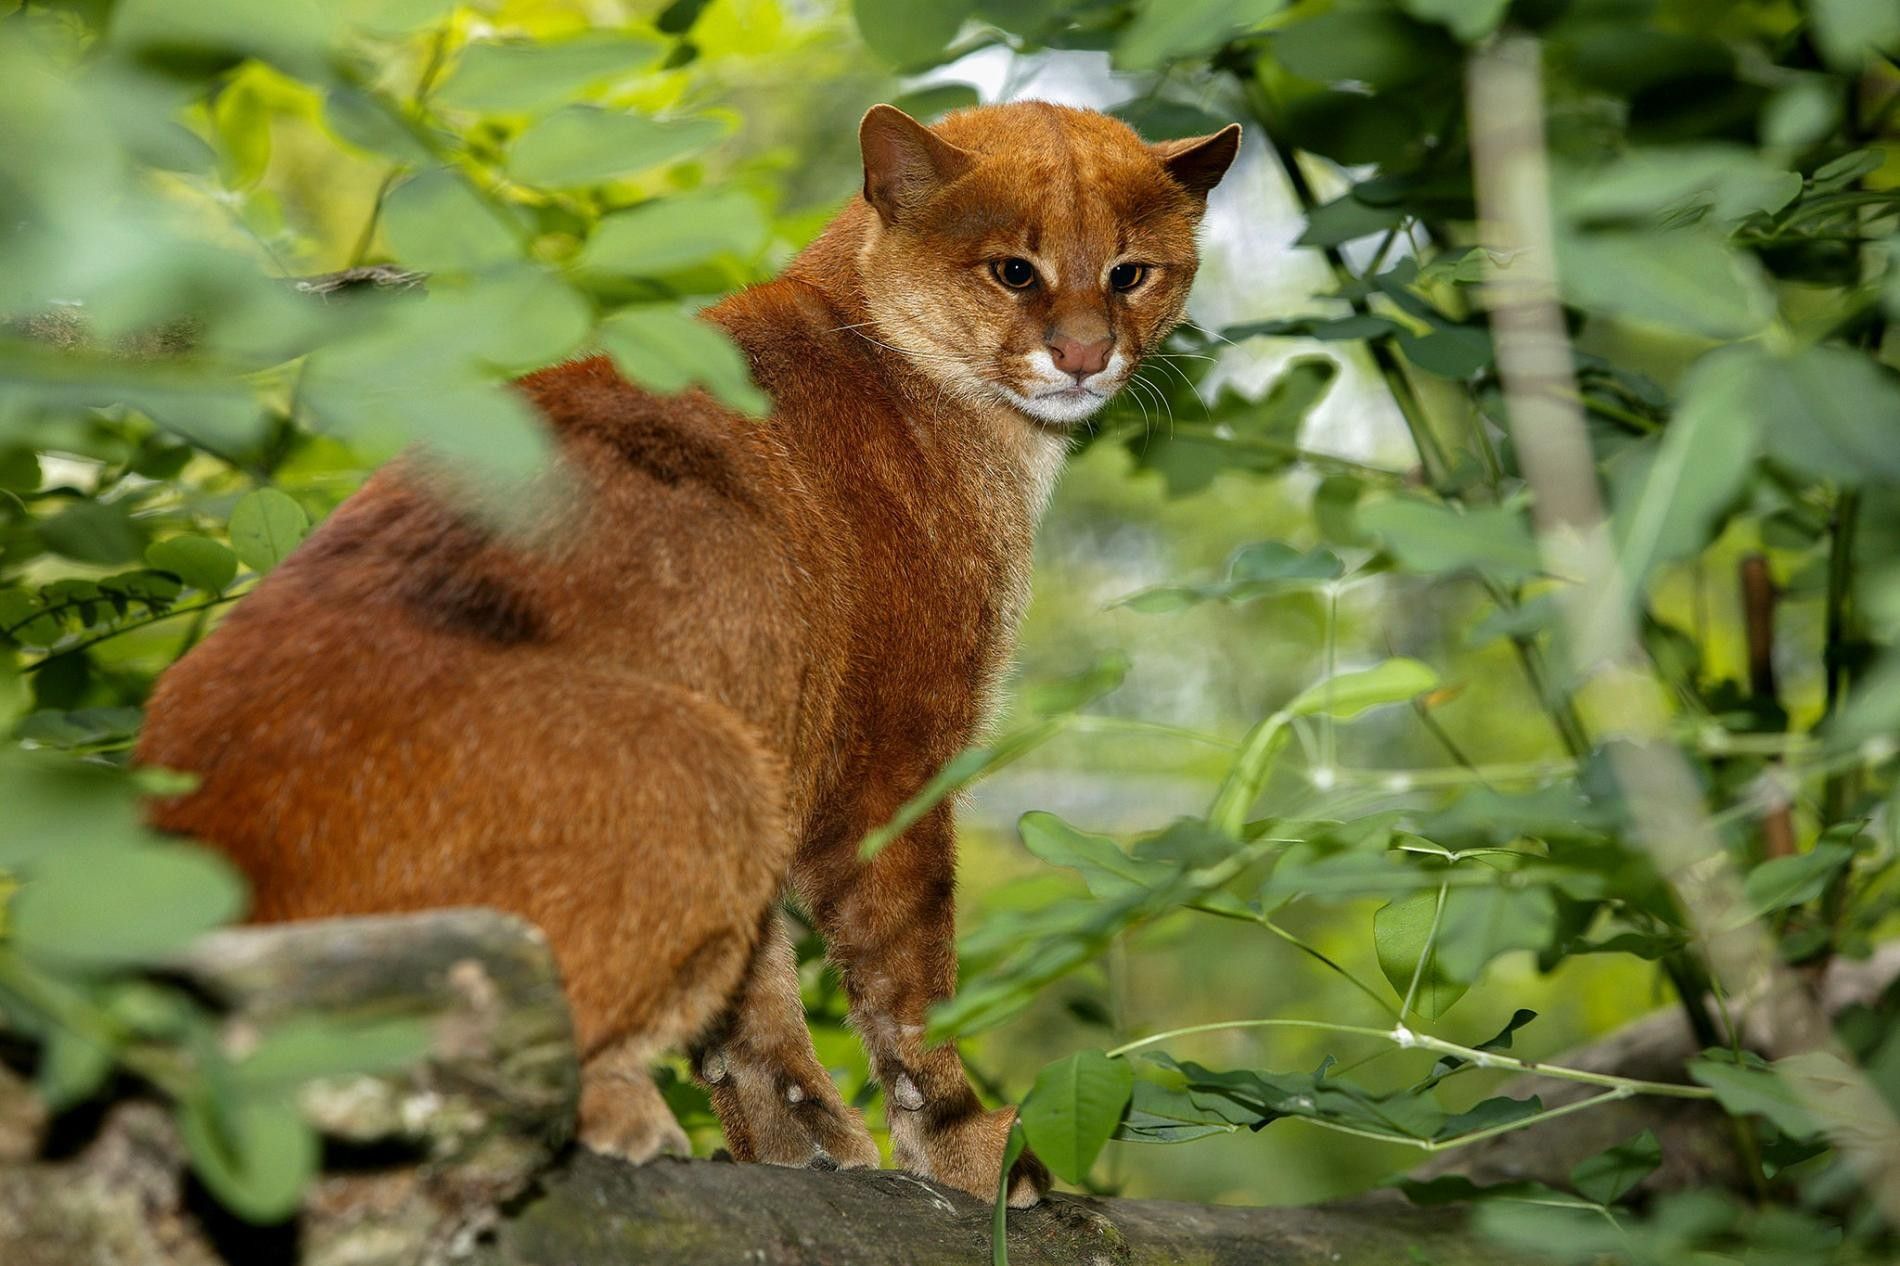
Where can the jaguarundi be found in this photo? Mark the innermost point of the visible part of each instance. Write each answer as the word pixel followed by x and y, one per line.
pixel 733 648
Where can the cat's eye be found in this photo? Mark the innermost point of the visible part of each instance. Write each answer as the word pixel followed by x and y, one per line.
pixel 1125 277
pixel 1017 274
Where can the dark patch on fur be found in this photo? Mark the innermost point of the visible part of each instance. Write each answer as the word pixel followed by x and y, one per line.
pixel 478 606
pixel 672 456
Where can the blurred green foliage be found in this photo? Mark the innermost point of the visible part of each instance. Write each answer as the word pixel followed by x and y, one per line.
pixel 1316 702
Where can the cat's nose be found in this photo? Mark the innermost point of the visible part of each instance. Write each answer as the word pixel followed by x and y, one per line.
pixel 1073 356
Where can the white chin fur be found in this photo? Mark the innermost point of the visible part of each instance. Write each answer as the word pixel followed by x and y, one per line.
pixel 1064 409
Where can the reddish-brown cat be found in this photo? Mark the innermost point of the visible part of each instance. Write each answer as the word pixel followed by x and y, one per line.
pixel 727 650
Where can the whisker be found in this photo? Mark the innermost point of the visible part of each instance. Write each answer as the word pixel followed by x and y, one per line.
pixel 911 352
pixel 1192 389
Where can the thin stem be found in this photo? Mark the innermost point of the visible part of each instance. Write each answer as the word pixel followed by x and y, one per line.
pixel 131 627
pixel 426 81
pixel 1305 947
pixel 1095 724
pixel 1425 954
pixel 1549 1114
pixel 1403 1037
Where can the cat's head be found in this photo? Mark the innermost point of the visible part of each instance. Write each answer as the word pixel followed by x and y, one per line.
pixel 1031 252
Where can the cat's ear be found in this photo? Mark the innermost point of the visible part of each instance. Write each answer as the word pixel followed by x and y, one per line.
pixel 1198 163
pixel 904 161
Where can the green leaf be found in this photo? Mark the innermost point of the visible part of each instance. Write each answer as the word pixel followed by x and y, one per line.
pixel 1365 46
pixel 265 527
pixel 1683 279
pixel 910 33
pixel 1850 32
pixel 254 1153
pixel 1469 20
pixel 1352 326
pixel 1830 411
pixel 56 805
pixel 1161 32
pixel 1499 1041
pixel 1346 695
pixel 1450 350
pixel 1108 871
pixel 241 123
pixel 1402 931
pixel 1782 882
pixel 1489 1114
pixel 1346 219
pixel 1747 1089
pixel 665 349
pixel 1013 1147
pixel 434 221
pixel 82 909
pixel 1166 1114
pixel 931 103
pixel 1159 119
pixel 72 1067
pixel 585 145
pixel 83 729
pixel 1431 537
pixel 198 561
pixel 1271 1096
pixel 1072 693
pixel 93 532
pixel 307 1047
pixel 1669 496
pixel 1612 1174
pixel 959 771
pixel 520 76
pixel 1255 571
pixel 1480 923
pixel 674 233
pixel 1073 1109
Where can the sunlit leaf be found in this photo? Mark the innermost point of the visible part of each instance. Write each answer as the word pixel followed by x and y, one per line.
pixel 1479 923
pixel 526 75
pixel 1346 695
pixel 1073 1109
pixel 1403 931
pixel 1669 496
pixel 265 527
pixel 584 145
pixel 674 233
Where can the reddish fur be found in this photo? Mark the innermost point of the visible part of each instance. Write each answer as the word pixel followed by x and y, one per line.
pixel 717 654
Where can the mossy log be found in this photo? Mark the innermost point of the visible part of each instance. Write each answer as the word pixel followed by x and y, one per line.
pixel 701 1213
pixel 465 1157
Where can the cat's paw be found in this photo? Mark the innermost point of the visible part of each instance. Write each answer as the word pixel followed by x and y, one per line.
pixel 780 1117
pixel 626 1117
pixel 966 1152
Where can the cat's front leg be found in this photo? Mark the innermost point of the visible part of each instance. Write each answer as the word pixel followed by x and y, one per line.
pixel 890 926
pixel 776 1103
